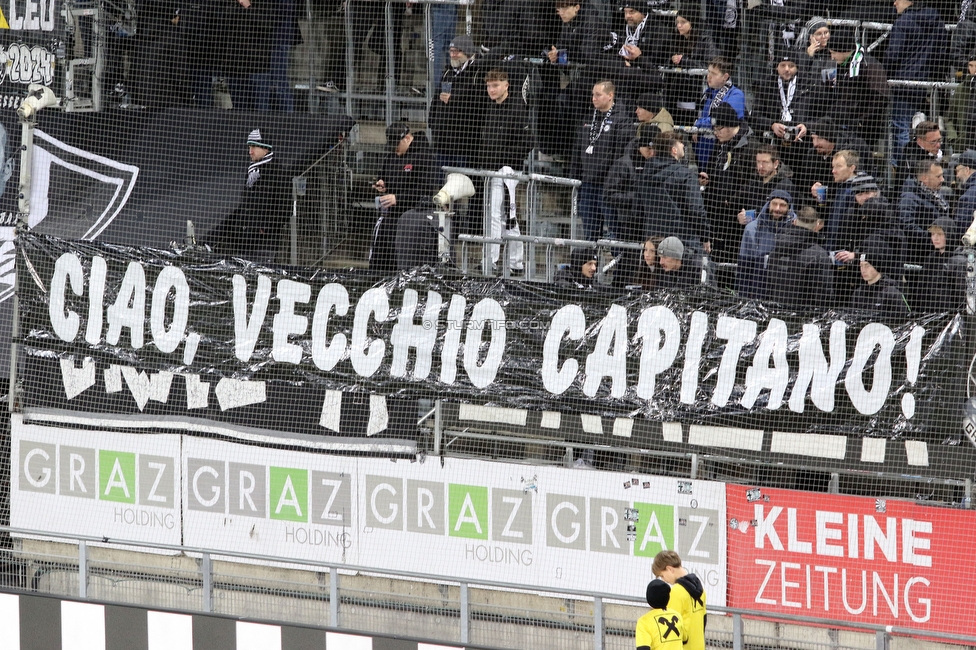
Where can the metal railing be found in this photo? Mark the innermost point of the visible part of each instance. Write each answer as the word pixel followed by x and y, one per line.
pixel 551 244
pixel 458 609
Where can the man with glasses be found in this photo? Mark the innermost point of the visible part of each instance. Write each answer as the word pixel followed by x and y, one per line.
pixel 927 146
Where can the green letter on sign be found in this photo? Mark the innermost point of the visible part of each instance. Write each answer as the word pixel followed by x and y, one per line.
pixel 116 476
pixel 468 511
pixel 655 529
pixel 289 494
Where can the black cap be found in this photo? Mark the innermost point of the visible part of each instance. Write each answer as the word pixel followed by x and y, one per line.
pixel 650 102
pixel 785 54
pixel 968 158
pixel 396 132
pixel 876 252
pixel 658 593
pixel 464 43
pixel 842 39
pixel 826 128
pixel 724 115
pixel 646 134
pixel 947 225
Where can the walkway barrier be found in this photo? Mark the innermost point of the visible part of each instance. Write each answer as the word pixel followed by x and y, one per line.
pixel 365 599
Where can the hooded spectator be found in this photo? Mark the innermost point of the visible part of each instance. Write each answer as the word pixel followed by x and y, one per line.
pixel 942 286
pixel 670 198
pixel 622 187
pixel 581 272
pixel 758 240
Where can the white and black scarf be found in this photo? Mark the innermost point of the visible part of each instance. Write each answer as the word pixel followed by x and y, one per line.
pixel 934 197
pixel 719 96
pixel 786 99
pixel 254 169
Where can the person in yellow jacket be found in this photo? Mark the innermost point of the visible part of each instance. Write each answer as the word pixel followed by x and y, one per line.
pixel 660 628
pixel 687 596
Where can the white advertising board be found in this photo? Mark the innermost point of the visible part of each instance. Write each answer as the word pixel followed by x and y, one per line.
pixel 104 484
pixel 541 526
pixel 268 501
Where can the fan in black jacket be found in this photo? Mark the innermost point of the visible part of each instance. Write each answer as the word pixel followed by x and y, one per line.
pixel 800 273
pixel 782 107
pixel 504 146
pixel 407 181
pixel 253 229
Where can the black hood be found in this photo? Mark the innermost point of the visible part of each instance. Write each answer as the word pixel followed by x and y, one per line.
pixel 692 584
pixel 793 240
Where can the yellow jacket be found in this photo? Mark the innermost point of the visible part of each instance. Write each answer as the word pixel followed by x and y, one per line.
pixel 660 629
pixel 691 610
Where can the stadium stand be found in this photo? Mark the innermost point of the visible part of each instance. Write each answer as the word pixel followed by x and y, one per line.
pixel 437 320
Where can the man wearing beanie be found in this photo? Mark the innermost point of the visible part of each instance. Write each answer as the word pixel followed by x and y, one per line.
pixel 879 293
pixel 650 110
pixel 857 96
pixel 253 230
pixel 724 178
pixel 660 628
pixel 782 106
pixel 757 242
pixel 680 269
pixel 687 596
pixel 459 110
pixel 638 51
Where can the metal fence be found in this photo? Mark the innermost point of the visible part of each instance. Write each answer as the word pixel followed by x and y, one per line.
pixel 365 599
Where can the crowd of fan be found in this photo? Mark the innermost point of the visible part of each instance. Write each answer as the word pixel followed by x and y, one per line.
pixel 789 203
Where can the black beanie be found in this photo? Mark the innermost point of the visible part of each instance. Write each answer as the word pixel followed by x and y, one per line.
pixel 842 39
pixel 658 593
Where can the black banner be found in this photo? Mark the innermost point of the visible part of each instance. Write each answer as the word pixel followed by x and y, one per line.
pixel 284 348
pixel 136 177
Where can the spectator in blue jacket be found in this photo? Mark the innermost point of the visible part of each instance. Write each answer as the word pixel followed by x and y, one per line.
pixel 720 91
pixel 758 241
pixel 917 51
pixel 966 203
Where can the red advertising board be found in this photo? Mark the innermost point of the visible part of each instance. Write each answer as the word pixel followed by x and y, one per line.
pixel 876 561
